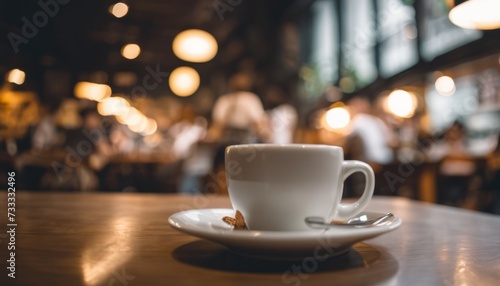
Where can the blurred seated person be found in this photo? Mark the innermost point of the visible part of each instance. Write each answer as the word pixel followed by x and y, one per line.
pixel 456 169
pixel 238 117
pixel 45 135
pixel 187 132
pixel 375 138
pixel 369 140
pixel 195 159
pixel 492 184
pixel 86 146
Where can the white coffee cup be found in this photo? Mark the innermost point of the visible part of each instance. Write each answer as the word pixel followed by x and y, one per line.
pixel 277 186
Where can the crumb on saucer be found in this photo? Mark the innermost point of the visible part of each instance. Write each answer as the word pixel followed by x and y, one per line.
pixel 238 221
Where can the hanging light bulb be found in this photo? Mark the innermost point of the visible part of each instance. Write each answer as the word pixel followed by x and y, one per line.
pixel 119 9
pixel 92 91
pixel 131 51
pixel 445 86
pixel 195 46
pixel 475 14
pixel 402 103
pixel 184 81
pixel 113 106
pixel 16 76
pixel 337 118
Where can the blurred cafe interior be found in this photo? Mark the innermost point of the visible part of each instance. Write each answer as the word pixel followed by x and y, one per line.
pixel 143 96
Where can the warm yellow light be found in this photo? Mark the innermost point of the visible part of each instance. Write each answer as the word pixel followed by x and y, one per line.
pixel 16 76
pixel 131 51
pixel 195 46
pixel 402 103
pixel 113 106
pixel 92 91
pixel 477 14
pixel 151 127
pixel 98 259
pixel 445 86
pixel 140 125
pixel 131 117
pixel 184 81
pixel 337 118
pixel 119 9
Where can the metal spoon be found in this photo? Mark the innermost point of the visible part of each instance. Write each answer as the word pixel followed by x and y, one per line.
pixel 361 221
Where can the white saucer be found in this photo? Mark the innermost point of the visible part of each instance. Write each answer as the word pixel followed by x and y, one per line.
pixel 208 224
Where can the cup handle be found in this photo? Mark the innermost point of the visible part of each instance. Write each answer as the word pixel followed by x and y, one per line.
pixel 346 211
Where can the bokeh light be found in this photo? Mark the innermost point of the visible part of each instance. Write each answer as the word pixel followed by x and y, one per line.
pixel 445 86
pixel 113 106
pixel 195 46
pixel 16 76
pixel 337 118
pixel 184 81
pixel 131 51
pixel 92 91
pixel 119 9
pixel 402 103
pixel 150 128
pixel 476 14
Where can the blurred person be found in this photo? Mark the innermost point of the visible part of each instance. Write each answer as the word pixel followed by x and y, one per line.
pixel 376 137
pixel 195 159
pixel 123 140
pixel 187 132
pixel 45 135
pixel 409 133
pixel 85 145
pixel 238 118
pixel 457 167
pixel 370 140
pixel 492 184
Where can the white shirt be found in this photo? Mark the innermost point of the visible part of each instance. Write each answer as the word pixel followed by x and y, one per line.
pixel 283 120
pixel 239 110
pixel 375 136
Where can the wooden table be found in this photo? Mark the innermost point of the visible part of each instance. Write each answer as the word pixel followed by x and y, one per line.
pixel 124 239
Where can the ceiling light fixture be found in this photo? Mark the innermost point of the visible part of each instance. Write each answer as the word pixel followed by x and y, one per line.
pixel 16 76
pixel 337 118
pixel 131 51
pixel 92 91
pixel 195 46
pixel 401 103
pixel 119 9
pixel 184 81
pixel 475 14
pixel 445 86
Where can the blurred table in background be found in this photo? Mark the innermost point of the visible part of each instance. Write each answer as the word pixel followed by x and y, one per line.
pixel 141 172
